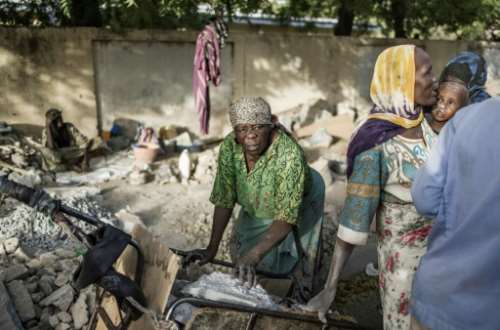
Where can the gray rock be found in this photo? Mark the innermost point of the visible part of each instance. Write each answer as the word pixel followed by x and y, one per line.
pixel 80 312
pixel 64 317
pixel 9 320
pixel 46 270
pixel 46 285
pixel 45 316
pixel 61 298
pixel 48 259
pixel 54 321
pixel 22 300
pixel 65 253
pixel 14 272
pixel 11 244
pixel 21 255
pixel 62 326
pixel 2 250
pixel 32 287
pixel 34 264
pixel 61 279
pixel 37 297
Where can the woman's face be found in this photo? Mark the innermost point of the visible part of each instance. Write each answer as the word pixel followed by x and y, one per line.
pixel 254 138
pixel 425 92
pixel 452 97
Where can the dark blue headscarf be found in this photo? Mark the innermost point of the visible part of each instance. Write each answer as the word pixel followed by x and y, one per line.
pixel 469 68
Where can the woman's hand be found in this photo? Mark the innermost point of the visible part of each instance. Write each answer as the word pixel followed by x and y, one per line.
pixel 322 302
pixel 203 256
pixel 245 268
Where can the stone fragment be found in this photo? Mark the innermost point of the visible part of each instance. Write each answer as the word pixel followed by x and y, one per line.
pixel 45 316
pixel 21 255
pixel 65 253
pixel 54 321
pixel 45 285
pixel 34 264
pixel 11 244
pixel 61 298
pixel 2 250
pixel 47 259
pixel 79 312
pixel 32 287
pixel 14 272
pixel 8 316
pixel 37 297
pixel 62 326
pixel 22 300
pixel 61 279
pixel 64 317
pixel 31 324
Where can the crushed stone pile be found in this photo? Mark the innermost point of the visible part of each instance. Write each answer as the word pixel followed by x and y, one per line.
pixel 36 230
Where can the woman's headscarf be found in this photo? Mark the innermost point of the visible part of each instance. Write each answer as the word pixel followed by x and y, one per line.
pixel 470 69
pixel 250 110
pixel 394 110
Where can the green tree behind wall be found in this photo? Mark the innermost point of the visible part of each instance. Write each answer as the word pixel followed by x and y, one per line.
pixel 462 19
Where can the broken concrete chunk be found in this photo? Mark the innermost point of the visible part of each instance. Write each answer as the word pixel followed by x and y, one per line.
pixel 3 253
pixel 62 326
pixel 47 259
pixel 64 317
pixel 32 287
pixel 61 279
pixel 21 255
pixel 37 297
pixel 8 316
pixel 14 272
pixel 34 264
pixel 22 300
pixel 65 253
pixel 46 285
pixel 54 321
pixel 61 298
pixel 11 244
pixel 79 312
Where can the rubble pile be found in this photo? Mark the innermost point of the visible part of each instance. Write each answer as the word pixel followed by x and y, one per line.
pixel 36 230
pixel 39 287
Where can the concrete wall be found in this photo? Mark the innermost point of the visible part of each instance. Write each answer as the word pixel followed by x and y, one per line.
pixel 146 75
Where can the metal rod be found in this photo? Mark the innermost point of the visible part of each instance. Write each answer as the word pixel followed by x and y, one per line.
pixel 79 215
pixel 198 302
pixel 231 265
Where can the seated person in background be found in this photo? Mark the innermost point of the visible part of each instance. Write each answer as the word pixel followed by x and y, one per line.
pixel 63 146
pixel 461 82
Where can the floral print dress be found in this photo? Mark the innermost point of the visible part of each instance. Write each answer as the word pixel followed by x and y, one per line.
pixel 380 186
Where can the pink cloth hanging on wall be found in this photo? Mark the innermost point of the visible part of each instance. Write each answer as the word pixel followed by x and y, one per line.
pixel 206 68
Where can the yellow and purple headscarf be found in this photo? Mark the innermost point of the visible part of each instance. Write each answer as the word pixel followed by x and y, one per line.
pixel 392 92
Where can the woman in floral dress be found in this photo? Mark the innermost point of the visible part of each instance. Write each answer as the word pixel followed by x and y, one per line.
pixel 383 157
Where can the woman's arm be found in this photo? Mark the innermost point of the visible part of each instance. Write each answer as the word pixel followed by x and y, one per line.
pixel 322 301
pixel 245 266
pixel 220 220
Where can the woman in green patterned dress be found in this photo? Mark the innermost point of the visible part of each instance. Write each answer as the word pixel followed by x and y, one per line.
pixel 263 169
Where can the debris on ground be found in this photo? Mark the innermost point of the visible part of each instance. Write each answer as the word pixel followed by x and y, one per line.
pixel 39 287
